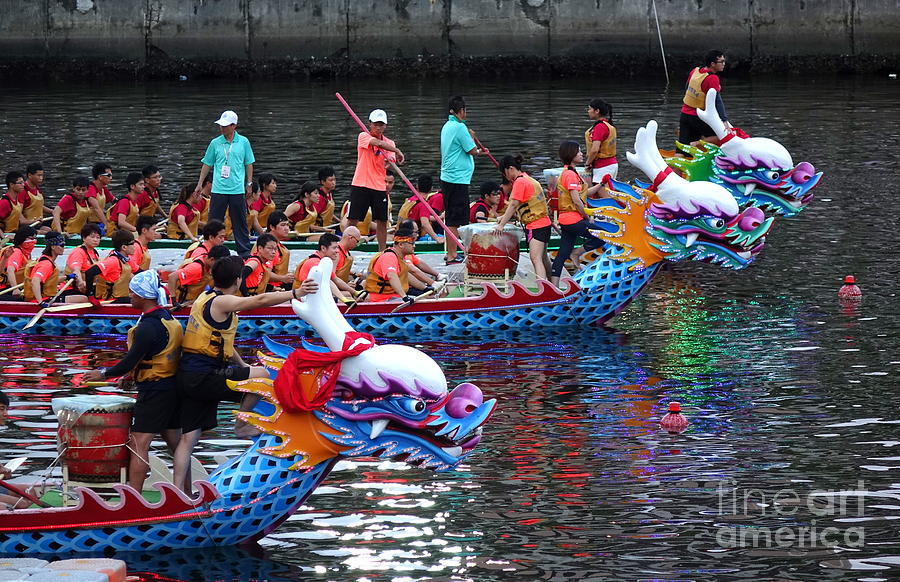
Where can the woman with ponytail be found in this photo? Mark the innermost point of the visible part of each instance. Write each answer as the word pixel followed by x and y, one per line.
pixel 600 142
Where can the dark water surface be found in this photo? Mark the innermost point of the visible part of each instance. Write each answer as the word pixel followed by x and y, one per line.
pixel 788 392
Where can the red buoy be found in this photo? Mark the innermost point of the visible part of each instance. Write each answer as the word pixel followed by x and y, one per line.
pixel 674 422
pixel 849 290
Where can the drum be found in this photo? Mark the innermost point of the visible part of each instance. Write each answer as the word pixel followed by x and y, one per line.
pixel 93 436
pixel 488 255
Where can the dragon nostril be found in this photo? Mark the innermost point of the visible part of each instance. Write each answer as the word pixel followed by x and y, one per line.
pixel 752 218
pixel 803 172
pixel 470 408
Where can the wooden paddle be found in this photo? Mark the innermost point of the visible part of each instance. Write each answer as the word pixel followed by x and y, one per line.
pixel 414 299
pixel 399 172
pixel 13 288
pixel 40 314
pixel 75 306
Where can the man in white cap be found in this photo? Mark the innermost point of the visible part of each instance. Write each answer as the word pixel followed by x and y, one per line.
pixel 230 158
pixel 368 189
pixel 154 349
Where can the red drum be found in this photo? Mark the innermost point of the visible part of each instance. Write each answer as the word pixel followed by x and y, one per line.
pixel 94 445
pixel 491 256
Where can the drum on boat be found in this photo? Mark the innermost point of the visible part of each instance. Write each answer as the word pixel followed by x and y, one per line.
pixel 93 436
pixel 490 255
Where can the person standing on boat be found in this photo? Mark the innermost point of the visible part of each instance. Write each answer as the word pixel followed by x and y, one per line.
pixel 600 142
pixel 574 222
pixel 329 246
pixel 109 278
pixel 194 276
pixel 458 151
pixel 98 194
pixel 325 205
pixel 388 278
pixel 149 201
pixel 10 206
pixel 528 201
pixel 42 276
pixel 154 347
pixel 72 211
pixel 146 234
pixel 368 189
pixel 209 357
pixel 691 129
pixel 123 213
pixel 14 260
pixel 83 257
pixel 33 205
pixel 230 158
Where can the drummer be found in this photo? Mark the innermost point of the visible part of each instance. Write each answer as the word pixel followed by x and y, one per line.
pixel 209 357
pixel 154 347
pixel 388 278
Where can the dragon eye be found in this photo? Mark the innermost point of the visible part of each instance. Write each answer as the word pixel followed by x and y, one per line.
pixel 413 405
pixel 773 175
pixel 716 223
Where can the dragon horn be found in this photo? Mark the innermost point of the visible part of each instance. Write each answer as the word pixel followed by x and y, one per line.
pixel 319 310
pixel 710 115
pixel 646 156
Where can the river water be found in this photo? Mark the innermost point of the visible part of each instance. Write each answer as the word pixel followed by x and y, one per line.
pixel 791 396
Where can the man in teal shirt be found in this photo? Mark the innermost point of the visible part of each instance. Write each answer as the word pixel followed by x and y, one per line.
pixel 457 164
pixel 230 158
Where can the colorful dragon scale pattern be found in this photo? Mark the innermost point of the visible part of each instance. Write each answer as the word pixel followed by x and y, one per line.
pixel 757 171
pixel 390 401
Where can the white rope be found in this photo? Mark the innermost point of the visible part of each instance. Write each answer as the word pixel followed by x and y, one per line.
pixel 661 48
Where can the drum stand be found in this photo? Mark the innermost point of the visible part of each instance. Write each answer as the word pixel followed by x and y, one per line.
pixel 68 484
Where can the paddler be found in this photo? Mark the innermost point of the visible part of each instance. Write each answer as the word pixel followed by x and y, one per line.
pixel 146 234
pixel 388 278
pixel 279 227
pixel 149 201
pixel 259 210
pixel 98 194
pixel 33 205
pixel 325 205
pixel 154 347
pixel 42 276
pixel 124 211
pixel 109 278
pixel 213 235
pixel 84 256
pixel 691 129
pixel 184 217
pixel 344 267
pixel 194 276
pixel 418 268
pixel 10 206
pixel 258 266
pixel 328 247
pixel 209 357
pixel 528 201
pixel 302 211
pixel 15 260
pixel 72 211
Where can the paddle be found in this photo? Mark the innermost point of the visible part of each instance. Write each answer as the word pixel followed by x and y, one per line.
pixel 413 300
pixel 13 288
pixel 399 172
pixel 75 306
pixel 23 494
pixel 40 314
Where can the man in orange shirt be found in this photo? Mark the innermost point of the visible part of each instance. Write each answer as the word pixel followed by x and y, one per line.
pixel 344 266
pixel 388 277
pixel 190 280
pixel 213 235
pixel 368 190
pixel 258 266
pixel 146 234
pixel 328 247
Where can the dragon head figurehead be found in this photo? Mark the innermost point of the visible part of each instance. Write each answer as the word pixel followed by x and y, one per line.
pixel 675 219
pixel 758 171
pixel 384 401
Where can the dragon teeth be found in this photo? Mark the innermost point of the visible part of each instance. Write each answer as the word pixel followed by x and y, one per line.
pixel 749 188
pixel 453 451
pixel 378 427
pixel 691 239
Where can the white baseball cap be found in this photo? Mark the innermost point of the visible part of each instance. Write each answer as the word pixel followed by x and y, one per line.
pixel 378 115
pixel 228 118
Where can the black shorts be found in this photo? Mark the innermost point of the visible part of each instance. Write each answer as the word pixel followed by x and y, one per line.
pixel 456 203
pixel 539 234
pixel 156 411
pixel 201 392
pixel 691 128
pixel 361 199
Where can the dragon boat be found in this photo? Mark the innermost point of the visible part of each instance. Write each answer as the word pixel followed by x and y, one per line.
pixel 353 398
pixel 668 219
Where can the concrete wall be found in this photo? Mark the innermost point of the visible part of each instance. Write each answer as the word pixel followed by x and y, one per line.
pixel 360 29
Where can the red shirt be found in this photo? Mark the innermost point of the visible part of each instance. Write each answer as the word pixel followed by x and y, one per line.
pixel 260 204
pixel 710 82
pixel 185 210
pixel 300 214
pixel 200 206
pixel 67 206
pixel 92 192
pixel 146 198
pixel 28 193
pixel 419 211
pixel 324 199
pixel 123 206
pixel 599 133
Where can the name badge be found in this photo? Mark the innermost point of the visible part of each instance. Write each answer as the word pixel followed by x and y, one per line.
pixel 225 172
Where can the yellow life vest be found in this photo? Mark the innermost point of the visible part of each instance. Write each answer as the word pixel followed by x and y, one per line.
pixel 150 209
pixel 326 217
pixel 172 228
pixel 565 197
pixel 20 272
pixel 81 217
pixel 35 209
pixel 343 272
pixel 376 284
pixel 92 255
pixel 48 287
pixel 694 95
pixel 130 218
pixel 145 255
pixel 607 146
pixel 164 364
pixel 263 215
pixel 191 292
pixel 535 208
pixel 11 222
pixel 302 225
pixel 118 289
pixel 208 338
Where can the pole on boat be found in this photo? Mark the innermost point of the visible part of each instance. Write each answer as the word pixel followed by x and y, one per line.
pixel 399 172
pixel 661 48
pixel 23 494
pixel 489 155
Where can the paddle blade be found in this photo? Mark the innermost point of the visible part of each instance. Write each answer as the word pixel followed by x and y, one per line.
pixel 34 319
